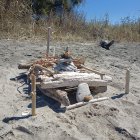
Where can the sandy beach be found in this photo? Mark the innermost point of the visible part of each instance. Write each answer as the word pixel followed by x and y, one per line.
pixel 117 119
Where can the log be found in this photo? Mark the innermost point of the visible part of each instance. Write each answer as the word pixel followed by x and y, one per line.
pixel 72 79
pixel 76 75
pixel 56 94
pixel 85 103
pixel 72 83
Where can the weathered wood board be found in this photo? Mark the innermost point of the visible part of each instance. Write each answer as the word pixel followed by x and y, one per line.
pixel 72 79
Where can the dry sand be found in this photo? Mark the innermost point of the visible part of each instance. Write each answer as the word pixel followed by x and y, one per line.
pixel 117 119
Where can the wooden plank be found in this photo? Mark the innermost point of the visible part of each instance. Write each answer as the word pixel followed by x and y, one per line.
pixel 76 75
pixel 72 79
pixel 73 83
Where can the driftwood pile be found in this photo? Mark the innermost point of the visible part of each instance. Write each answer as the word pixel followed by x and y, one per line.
pixel 56 84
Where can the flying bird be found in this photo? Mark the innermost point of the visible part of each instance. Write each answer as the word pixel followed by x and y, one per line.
pixel 106 44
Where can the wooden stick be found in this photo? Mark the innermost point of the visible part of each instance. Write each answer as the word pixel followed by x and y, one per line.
pixel 85 103
pixel 48 41
pixel 127 80
pixel 97 72
pixel 72 83
pixel 33 80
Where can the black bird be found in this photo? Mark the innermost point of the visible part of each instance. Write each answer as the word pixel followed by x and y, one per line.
pixel 106 44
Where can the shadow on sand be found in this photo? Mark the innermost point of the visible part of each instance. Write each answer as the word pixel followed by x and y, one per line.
pixel 118 96
pixel 41 99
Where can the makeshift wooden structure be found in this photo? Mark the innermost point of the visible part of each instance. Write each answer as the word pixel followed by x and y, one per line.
pixel 54 84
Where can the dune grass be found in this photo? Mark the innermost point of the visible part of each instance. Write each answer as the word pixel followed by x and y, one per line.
pixel 16 22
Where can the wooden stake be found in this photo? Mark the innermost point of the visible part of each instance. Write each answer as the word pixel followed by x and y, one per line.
pixel 127 80
pixel 33 104
pixel 48 40
pixel 33 80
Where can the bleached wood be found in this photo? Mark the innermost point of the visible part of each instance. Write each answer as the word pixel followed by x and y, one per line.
pixel 72 79
pixel 127 81
pixel 76 75
pixel 73 83
pixel 56 94
pixel 85 103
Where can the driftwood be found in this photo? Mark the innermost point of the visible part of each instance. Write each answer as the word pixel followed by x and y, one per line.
pixel 72 79
pixel 85 103
pixel 56 94
pixel 50 61
pixel 72 83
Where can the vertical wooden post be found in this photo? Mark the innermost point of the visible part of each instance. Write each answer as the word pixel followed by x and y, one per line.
pixel 33 80
pixel 127 80
pixel 48 40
